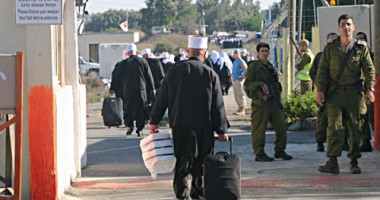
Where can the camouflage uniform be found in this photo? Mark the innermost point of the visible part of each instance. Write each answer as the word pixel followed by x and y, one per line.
pixel 347 99
pixel 264 109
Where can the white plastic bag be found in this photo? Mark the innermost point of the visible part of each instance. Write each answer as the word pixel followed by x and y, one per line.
pixel 158 154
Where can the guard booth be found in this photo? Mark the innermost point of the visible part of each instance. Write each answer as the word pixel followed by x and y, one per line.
pixel 11 104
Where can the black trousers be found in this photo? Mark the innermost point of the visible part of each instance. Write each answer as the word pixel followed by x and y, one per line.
pixel 191 146
pixel 139 117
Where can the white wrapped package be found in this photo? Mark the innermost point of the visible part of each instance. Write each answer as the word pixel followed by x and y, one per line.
pixel 156 137
pixel 157 153
pixel 156 144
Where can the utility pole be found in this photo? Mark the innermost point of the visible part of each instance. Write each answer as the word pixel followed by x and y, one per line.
pixel 300 20
pixel 377 64
pixel 315 13
pixel 293 27
pixel 289 50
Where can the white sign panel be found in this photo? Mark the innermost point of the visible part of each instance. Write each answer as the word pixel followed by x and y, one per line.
pixel 7 84
pixel 38 12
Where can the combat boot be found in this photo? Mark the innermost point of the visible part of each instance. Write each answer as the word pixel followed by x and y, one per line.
pixel 283 155
pixel 354 167
pixel 320 147
pixel 366 146
pixel 263 158
pixel 331 166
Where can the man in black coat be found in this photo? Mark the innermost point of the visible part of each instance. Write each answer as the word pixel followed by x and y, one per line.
pixel 157 73
pixel 137 79
pixel 155 67
pixel 191 91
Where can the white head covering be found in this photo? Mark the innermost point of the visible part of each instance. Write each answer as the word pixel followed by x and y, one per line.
pixel 197 42
pixel 165 55
pixel 169 59
pixel 146 51
pixel 181 51
pixel 214 56
pixel 184 56
pixel 225 60
pixel 131 47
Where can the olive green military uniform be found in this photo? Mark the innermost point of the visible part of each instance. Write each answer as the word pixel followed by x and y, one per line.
pixel 265 108
pixel 346 100
pixel 320 134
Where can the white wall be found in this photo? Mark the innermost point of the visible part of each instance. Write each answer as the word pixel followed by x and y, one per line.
pixel 328 20
pixel 96 38
pixel 39 44
pixel 65 137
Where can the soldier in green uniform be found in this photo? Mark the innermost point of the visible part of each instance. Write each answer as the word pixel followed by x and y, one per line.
pixel 320 133
pixel 366 128
pixel 262 86
pixel 357 68
pixel 304 65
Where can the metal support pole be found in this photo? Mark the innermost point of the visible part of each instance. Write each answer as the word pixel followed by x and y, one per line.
pixel 377 65
pixel 300 21
pixel 292 50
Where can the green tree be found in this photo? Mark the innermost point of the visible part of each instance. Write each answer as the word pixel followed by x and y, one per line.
pixel 157 13
pixel 186 16
pixel 110 20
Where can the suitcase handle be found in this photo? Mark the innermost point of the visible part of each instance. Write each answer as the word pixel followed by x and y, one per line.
pixel 230 139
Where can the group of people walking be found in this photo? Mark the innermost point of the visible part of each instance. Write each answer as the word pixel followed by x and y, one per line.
pixel 192 92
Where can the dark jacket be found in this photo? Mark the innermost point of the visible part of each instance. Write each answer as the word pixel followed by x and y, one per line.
pixel 157 71
pixel 137 77
pixel 191 91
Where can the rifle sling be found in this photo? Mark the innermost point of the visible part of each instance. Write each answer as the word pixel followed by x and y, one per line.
pixel 343 66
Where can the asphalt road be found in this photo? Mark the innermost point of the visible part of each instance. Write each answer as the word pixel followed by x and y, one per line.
pixel 115 168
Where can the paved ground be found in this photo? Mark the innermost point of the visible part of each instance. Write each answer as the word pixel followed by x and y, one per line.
pixel 116 171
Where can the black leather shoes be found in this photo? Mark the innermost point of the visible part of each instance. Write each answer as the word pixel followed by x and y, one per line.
pixel 139 133
pixel 263 158
pixel 130 130
pixel 283 155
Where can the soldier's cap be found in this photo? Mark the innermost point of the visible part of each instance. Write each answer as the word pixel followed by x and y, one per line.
pixel 197 42
pixel 146 51
pixel 131 47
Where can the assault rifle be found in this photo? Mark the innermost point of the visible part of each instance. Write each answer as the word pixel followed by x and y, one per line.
pixel 272 94
pixel 327 93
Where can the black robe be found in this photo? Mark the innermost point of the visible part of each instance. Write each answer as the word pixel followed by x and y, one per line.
pixel 191 91
pixel 167 66
pixel 116 82
pixel 157 71
pixel 137 78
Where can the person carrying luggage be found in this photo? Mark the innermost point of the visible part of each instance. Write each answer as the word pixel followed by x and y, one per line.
pixel 191 91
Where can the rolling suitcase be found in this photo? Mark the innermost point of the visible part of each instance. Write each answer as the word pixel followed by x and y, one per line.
pixel 222 174
pixel 112 111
